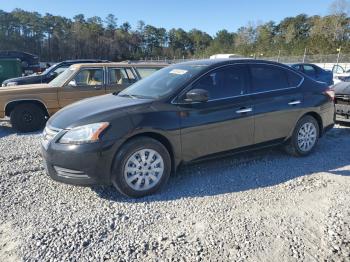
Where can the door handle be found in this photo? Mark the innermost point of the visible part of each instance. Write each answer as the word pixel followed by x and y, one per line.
pixel 97 87
pixel 244 110
pixel 293 103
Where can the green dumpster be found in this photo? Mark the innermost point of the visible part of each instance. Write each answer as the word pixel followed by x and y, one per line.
pixel 9 68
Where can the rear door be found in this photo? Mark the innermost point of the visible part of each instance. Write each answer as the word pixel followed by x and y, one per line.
pixel 222 123
pixel 88 82
pixel 277 101
pixel 119 78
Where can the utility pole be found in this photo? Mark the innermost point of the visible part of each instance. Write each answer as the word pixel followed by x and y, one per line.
pixel 304 57
pixel 338 57
pixel 279 54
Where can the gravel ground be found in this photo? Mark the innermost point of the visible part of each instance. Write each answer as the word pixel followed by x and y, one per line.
pixel 261 206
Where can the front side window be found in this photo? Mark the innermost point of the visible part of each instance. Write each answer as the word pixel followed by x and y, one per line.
pixel 225 82
pixel 89 77
pixel 268 78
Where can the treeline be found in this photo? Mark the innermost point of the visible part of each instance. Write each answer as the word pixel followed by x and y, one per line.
pixel 56 38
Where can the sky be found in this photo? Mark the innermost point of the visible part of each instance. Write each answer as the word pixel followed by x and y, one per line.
pixel 207 15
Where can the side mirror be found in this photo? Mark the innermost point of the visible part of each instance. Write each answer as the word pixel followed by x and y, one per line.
pixel 197 95
pixel 72 83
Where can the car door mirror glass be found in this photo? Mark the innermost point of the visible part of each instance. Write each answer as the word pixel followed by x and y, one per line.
pixel 197 95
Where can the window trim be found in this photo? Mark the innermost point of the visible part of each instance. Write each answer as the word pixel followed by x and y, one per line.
pixel 175 101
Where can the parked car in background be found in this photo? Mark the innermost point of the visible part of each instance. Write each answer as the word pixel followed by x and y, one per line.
pixel 9 67
pixel 29 106
pixel 342 101
pixel 29 62
pixel 49 74
pixel 182 113
pixel 340 74
pixel 315 72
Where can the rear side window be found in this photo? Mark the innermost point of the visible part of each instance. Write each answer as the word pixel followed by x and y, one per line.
pixel 268 78
pixel 224 82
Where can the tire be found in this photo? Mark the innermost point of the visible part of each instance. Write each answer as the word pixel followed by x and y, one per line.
pixel 132 169
pixel 28 117
pixel 307 142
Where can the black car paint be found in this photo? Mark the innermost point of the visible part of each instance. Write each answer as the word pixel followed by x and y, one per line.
pixel 190 131
pixel 48 76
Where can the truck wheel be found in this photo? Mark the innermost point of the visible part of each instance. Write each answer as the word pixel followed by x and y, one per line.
pixel 141 167
pixel 305 137
pixel 27 117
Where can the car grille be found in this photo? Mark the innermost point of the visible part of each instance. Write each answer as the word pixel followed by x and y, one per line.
pixel 342 99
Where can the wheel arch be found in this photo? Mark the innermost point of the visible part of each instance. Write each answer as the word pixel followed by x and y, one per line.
pixel 318 119
pixel 161 139
pixel 12 104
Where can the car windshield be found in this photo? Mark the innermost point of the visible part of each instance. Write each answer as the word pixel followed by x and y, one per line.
pixel 162 82
pixel 62 78
pixel 47 70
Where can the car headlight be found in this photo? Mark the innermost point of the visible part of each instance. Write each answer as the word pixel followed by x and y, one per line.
pixel 84 134
pixel 11 84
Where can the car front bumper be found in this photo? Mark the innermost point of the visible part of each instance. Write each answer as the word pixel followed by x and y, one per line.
pixel 342 110
pixel 83 164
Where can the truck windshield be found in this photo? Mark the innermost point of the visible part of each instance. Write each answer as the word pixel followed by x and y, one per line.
pixel 62 78
pixel 163 82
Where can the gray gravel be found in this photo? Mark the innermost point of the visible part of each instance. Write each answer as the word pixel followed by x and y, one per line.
pixel 261 206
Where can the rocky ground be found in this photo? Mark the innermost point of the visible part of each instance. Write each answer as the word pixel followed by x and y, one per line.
pixel 261 206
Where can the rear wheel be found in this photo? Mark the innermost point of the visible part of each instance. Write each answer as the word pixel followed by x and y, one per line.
pixel 305 137
pixel 28 117
pixel 142 167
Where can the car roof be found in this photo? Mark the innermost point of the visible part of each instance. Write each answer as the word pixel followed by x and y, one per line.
pixel 227 61
pixel 112 64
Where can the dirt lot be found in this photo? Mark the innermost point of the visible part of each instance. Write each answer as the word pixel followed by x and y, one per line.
pixel 261 206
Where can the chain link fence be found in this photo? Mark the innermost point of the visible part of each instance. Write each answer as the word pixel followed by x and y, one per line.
pixel 332 58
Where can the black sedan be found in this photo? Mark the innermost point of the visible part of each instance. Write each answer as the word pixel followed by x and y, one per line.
pixel 185 112
pixel 49 74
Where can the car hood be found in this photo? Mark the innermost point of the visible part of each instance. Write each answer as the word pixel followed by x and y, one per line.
pixel 96 109
pixel 342 88
pixel 24 79
pixel 22 89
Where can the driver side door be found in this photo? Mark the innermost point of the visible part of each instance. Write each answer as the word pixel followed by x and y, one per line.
pixel 88 82
pixel 225 121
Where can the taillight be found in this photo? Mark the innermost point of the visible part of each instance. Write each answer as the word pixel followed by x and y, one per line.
pixel 330 93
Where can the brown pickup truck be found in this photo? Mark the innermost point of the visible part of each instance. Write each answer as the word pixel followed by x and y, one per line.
pixel 29 106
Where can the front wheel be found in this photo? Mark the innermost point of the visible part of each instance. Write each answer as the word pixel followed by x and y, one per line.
pixel 142 167
pixel 28 117
pixel 305 137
